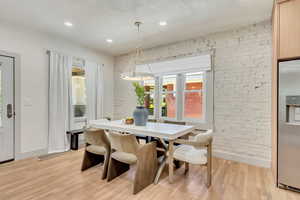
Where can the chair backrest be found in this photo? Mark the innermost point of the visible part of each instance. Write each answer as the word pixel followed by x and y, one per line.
pixel 204 137
pixel 174 122
pixel 123 142
pixel 96 137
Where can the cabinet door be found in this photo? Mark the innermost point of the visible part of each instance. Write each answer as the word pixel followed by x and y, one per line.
pixel 289 29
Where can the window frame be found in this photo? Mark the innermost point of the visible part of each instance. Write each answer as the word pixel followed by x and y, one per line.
pixel 160 96
pixel 75 120
pixel 154 99
pixel 204 93
pixel 180 97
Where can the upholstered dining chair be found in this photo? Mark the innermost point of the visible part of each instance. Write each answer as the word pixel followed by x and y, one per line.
pixel 97 150
pixel 196 150
pixel 127 151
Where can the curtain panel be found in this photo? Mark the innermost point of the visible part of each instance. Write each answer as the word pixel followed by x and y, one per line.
pixel 94 90
pixel 59 100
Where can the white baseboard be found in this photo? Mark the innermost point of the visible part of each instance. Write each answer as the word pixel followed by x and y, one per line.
pixel 31 154
pixel 219 154
pixel 243 159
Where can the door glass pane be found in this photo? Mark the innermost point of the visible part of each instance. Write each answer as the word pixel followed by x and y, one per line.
pixel 168 107
pixel 78 92
pixel 194 81
pixel 1 99
pixel 149 86
pixel 193 105
pixel 149 103
pixel 169 83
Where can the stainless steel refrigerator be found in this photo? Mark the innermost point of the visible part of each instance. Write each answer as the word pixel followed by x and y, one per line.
pixel 289 124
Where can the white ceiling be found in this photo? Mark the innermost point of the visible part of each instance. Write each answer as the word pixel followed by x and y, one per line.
pixel 96 20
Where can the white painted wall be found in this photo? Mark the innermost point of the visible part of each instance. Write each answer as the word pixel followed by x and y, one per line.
pixel 32 47
pixel 242 89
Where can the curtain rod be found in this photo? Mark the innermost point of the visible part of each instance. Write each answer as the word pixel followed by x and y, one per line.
pixel 48 52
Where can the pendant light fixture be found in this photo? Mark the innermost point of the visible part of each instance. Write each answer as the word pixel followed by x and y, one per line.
pixel 133 75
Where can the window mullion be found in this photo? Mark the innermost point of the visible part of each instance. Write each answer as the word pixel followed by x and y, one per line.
pixel 157 98
pixel 179 98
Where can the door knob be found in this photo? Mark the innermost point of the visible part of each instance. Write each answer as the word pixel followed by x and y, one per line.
pixel 9 109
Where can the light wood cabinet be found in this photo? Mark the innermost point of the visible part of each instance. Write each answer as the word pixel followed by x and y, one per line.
pixel 289 29
pixel 286 46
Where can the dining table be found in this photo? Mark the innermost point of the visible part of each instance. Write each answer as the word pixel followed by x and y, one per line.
pixel 165 133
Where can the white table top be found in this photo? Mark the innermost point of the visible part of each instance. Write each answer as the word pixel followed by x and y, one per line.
pixel 160 130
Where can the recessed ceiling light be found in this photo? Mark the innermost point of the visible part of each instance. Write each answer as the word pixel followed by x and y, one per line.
pixel 69 24
pixel 109 40
pixel 163 23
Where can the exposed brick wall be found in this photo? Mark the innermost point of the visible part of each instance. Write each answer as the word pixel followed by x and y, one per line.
pixel 242 89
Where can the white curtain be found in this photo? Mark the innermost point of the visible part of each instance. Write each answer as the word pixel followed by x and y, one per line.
pixel 59 100
pixel 94 90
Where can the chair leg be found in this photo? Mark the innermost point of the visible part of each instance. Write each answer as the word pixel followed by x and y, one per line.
pixel 90 160
pixel 105 167
pixel 146 168
pixel 187 167
pixel 209 164
pixel 116 168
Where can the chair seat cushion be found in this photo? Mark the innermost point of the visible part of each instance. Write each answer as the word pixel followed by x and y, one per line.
pixel 127 158
pixel 96 149
pixel 191 155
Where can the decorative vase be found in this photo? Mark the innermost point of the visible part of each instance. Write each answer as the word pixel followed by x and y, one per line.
pixel 140 116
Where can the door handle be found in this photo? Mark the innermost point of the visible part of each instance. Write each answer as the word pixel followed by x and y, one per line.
pixel 9 110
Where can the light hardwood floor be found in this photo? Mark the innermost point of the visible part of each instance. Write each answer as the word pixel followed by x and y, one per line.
pixel 60 178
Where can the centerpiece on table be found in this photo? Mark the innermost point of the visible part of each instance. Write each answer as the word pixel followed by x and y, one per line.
pixel 140 114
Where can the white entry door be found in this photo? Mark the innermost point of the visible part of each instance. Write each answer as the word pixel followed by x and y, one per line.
pixel 6 108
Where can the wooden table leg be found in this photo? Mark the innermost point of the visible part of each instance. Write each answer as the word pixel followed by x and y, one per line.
pixel 160 169
pixel 162 160
pixel 171 160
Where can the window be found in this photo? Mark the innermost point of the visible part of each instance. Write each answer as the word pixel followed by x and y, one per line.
pixel 183 89
pixel 79 103
pixel 193 96
pixel 168 96
pixel 149 86
pixel 181 96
